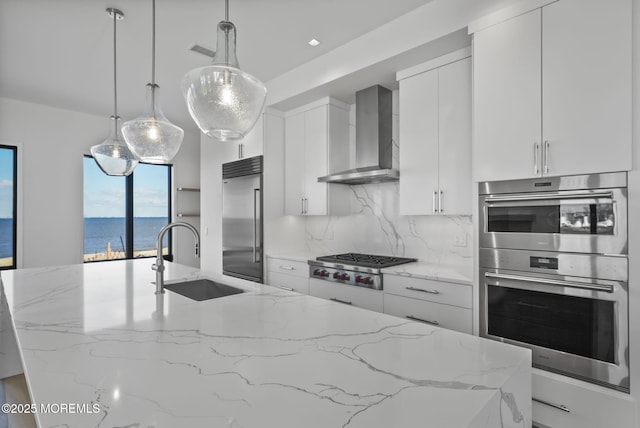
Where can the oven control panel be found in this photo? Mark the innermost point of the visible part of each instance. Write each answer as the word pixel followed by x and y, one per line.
pixel 360 279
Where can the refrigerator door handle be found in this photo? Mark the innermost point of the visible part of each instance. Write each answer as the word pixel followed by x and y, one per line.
pixel 256 193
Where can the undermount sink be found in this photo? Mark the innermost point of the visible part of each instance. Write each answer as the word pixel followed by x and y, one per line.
pixel 202 289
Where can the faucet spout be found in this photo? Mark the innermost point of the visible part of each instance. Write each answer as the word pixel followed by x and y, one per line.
pixel 158 266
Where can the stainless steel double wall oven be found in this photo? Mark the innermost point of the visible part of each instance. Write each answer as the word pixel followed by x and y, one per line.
pixel 554 272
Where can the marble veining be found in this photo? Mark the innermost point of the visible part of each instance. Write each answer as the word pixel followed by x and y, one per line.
pixel 97 334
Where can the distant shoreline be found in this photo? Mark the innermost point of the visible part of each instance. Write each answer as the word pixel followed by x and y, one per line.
pixel 102 256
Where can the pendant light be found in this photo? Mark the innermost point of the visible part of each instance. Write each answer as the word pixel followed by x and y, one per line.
pixel 112 155
pixel 224 101
pixel 151 136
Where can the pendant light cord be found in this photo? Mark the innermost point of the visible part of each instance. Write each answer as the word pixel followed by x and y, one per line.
pixel 153 42
pixel 115 74
pixel 226 33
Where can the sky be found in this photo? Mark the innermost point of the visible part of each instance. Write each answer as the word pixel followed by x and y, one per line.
pixel 6 183
pixel 104 196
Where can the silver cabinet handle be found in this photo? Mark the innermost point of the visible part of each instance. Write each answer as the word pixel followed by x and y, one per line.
pixel 411 317
pixel 536 170
pixel 256 193
pixel 583 285
pixel 301 205
pixel 555 406
pixel 545 153
pixel 287 267
pixel 306 206
pixel 435 207
pixel 240 151
pixel 285 288
pixel 423 290
pixel 333 299
pixel 440 201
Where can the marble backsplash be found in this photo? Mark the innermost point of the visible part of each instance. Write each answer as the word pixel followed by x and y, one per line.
pixel 375 227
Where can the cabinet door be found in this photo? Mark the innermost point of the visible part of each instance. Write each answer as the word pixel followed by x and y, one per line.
pixel 315 160
pixel 586 80
pixel 294 164
pixel 589 406
pixel 418 110
pixel 454 138
pixel 507 100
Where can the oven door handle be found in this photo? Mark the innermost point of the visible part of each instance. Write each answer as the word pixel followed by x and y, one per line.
pixel 597 287
pixel 550 196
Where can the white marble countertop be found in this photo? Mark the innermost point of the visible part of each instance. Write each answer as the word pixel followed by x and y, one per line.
pixel 95 334
pixel 426 270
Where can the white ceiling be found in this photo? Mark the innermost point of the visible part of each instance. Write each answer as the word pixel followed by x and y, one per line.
pixel 60 52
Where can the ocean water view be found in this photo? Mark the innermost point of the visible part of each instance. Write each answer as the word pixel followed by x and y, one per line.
pixel 101 231
pixel 6 238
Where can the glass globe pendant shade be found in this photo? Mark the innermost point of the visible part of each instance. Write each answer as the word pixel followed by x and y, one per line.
pixel 112 155
pixel 151 137
pixel 224 101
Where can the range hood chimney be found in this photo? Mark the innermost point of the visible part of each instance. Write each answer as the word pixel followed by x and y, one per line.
pixel 373 140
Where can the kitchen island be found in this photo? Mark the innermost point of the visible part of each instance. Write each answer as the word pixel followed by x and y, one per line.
pixel 96 336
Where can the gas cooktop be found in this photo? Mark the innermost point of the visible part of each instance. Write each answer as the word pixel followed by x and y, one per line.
pixel 365 260
pixel 363 270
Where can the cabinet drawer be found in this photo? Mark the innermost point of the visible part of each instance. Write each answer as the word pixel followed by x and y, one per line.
pixel 434 291
pixel 445 316
pixel 288 282
pixel 588 406
pixel 356 296
pixel 288 267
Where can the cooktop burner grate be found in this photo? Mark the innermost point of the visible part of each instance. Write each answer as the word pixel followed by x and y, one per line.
pixel 365 260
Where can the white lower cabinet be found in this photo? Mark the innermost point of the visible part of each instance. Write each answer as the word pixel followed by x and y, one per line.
pixel 561 402
pixel 288 274
pixel 444 304
pixel 347 294
pixel 445 316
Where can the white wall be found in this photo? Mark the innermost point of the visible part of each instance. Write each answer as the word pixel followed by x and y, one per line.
pixel 186 173
pixel 53 143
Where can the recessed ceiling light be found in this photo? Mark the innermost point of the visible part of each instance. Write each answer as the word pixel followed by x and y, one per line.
pixel 314 42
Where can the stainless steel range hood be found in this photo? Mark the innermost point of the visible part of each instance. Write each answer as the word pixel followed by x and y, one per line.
pixel 373 140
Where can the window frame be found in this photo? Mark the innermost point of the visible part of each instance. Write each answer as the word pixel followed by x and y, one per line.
pixel 14 213
pixel 129 215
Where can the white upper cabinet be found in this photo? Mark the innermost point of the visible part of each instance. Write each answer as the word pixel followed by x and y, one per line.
pixel 586 75
pixel 507 103
pixel 552 92
pixel 316 144
pixel 435 137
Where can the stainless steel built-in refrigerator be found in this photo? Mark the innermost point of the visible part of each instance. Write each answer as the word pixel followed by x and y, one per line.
pixel 242 219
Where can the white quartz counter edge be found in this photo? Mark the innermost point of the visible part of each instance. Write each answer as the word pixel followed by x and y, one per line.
pixel 424 270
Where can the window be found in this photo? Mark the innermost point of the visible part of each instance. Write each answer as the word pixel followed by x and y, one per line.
pixel 8 206
pixel 123 215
